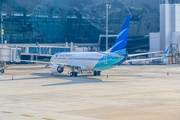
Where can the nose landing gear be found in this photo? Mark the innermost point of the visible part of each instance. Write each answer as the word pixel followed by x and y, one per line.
pixel 2 71
pixel 97 73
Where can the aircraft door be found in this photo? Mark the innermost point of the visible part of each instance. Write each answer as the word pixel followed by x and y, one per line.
pixel 105 59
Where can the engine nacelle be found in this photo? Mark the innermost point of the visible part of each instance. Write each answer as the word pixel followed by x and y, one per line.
pixel 57 69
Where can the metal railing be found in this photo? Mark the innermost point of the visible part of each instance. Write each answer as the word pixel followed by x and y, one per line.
pixel 38 50
pixel 42 50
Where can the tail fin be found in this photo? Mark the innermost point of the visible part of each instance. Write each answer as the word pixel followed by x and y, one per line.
pixel 121 41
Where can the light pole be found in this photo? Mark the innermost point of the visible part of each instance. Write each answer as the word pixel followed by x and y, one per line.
pixel 107 8
pixel 2 31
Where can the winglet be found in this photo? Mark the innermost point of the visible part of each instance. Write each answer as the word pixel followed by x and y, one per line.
pixel 165 53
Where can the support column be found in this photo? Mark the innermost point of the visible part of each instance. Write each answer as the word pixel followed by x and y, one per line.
pixel 107 6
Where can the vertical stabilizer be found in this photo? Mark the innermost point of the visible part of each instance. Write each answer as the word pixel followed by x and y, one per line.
pixel 121 41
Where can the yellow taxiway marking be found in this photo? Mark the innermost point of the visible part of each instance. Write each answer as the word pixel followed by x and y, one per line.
pixel 26 115
pixel 48 119
pixel 6 112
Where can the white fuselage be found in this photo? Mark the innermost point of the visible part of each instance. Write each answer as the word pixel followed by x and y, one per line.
pixel 85 60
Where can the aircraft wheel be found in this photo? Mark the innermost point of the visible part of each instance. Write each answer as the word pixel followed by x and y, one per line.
pixel 95 73
pixel 71 74
pixel 98 73
pixel 75 74
pixel 2 71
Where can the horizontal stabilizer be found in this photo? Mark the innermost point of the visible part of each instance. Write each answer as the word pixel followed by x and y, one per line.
pixel 111 54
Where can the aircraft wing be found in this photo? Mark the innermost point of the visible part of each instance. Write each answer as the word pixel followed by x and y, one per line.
pixel 150 58
pixel 136 60
pixel 132 55
pixel 49 63
pixel 114 55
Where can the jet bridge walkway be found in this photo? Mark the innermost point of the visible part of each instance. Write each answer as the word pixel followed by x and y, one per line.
pixel 8 54
pixel 43 50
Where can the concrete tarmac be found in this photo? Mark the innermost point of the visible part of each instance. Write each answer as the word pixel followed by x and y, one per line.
pixel 129 93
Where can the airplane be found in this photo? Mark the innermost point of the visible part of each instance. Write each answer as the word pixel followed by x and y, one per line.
pixel 95 61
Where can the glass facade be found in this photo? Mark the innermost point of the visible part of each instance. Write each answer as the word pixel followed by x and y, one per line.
pixel 78 21
pixel 169 1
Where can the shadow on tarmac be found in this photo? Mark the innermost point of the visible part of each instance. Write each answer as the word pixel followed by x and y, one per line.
pixel 80 79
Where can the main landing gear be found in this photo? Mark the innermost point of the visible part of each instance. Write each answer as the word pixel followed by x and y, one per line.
pixel 73 74
pixel 75 71
pixel 97 73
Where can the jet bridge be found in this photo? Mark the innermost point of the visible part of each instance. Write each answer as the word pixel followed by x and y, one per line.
pixel 8 54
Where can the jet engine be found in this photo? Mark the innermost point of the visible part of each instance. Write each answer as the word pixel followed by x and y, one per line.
pixel 57 69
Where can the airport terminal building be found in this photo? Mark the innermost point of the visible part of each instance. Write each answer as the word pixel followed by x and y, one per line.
pixel 79 21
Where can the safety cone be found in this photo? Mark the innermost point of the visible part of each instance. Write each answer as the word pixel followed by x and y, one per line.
pixel 107 75
pixel 167 73
pixel 12 78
